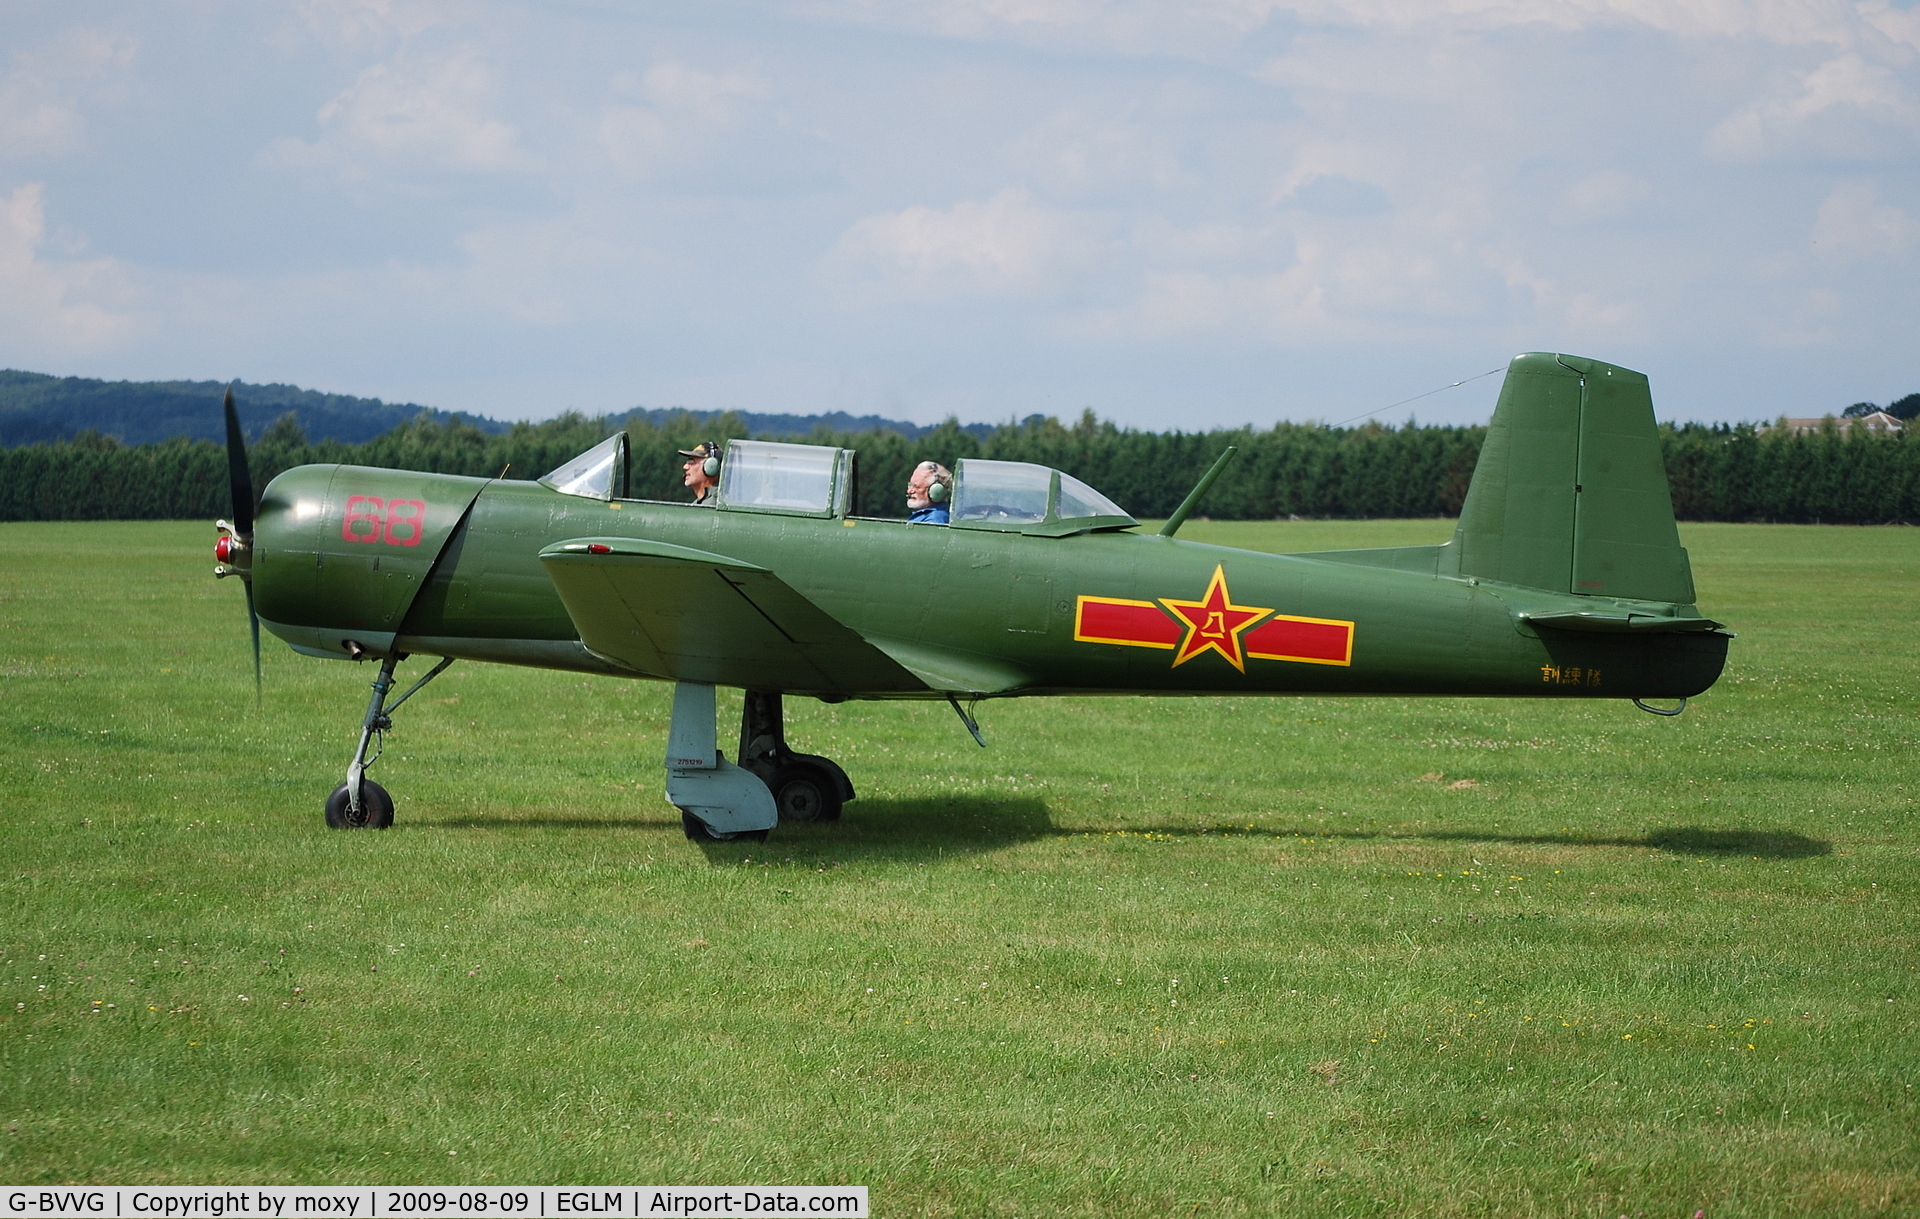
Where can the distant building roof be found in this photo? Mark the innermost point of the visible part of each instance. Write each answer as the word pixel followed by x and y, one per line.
pixel 1879 421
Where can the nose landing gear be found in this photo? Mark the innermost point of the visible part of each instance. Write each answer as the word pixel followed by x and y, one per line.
pixel 360 803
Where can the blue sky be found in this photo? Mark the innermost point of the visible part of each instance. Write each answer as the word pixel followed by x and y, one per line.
pixel 1182 214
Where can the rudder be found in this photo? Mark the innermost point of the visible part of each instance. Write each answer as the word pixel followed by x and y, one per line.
pixel 1570 493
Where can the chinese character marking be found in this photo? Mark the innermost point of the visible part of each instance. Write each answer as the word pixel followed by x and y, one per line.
pixel 1549 673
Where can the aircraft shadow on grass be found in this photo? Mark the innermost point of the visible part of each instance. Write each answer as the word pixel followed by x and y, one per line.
pixel 978 825
pixel 542 822
pixel 972 825
pixel 1683 840
pixel 916 829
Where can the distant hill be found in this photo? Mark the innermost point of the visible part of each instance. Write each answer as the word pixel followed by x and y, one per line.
pixel 802 425
pixel 36 408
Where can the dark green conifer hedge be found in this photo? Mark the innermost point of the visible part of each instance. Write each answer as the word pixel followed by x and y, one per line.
pixel 1718 473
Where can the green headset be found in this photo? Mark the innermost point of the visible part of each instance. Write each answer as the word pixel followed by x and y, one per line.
pixel 937 490
pixel 710 466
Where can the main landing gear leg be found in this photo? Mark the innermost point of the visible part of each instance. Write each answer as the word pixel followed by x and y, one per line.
pixel 718 801
pixel 805 786
pixel 360 803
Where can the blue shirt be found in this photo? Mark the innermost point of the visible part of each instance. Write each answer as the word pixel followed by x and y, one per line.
pixel 932 514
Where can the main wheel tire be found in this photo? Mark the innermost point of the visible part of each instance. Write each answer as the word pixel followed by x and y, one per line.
pixel 805 792
pixel 699 831
pixel 376 808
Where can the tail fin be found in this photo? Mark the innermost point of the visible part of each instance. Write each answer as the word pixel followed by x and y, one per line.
pixel 1570 493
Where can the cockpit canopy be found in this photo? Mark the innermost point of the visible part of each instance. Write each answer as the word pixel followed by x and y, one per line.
pixel 815 480
pixel 1027 498
pixel 602 472
pixel 803 479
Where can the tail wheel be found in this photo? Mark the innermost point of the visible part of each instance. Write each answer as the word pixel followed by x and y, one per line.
pixel 376 808
pixel 804 792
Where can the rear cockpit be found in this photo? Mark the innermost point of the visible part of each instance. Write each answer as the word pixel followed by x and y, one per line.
pixel 1021 497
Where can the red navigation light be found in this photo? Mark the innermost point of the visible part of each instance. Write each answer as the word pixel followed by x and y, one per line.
pixel 598 548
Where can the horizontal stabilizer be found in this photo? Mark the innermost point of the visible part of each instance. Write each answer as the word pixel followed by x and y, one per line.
pixel 1618 623
pixel 689 615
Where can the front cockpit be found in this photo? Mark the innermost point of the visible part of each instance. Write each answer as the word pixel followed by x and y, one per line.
pixel 603 472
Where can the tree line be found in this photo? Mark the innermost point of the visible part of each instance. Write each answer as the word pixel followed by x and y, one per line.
pixel 1718 472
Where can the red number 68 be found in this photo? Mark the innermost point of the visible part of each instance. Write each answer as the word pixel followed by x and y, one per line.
pixel 406 521
pixel 366 518
pixel 397 522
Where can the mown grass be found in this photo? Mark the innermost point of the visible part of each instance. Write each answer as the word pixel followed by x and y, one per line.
pixel 1217 956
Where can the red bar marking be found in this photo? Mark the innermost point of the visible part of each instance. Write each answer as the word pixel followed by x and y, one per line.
pixel 1138 624
pixel 1314 641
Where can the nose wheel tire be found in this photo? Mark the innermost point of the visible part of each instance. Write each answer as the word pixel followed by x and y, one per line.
pixel 802 792
pixel 376 808
pixel 698 831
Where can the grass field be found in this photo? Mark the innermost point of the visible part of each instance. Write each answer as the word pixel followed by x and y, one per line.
pixel 1138 957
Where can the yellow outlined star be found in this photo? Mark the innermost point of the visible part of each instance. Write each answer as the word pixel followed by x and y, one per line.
pixel 1214 622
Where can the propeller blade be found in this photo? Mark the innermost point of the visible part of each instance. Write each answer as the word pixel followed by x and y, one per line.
pixel 239 478
pixel 253 620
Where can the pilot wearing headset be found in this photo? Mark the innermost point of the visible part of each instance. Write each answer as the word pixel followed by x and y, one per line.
pixel 928 492
pixel 702 470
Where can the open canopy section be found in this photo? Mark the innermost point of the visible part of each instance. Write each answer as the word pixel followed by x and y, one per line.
pixel 599 473
pixel 802 479
pixel 1028 498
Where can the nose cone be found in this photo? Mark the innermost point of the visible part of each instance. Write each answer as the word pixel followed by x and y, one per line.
pixel 287 542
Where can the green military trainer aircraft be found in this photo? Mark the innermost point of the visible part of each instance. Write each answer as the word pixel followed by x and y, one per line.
pixel 1564 579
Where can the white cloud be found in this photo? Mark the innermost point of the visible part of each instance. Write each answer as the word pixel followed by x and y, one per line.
pixel 1209 27
pixel 374 24
pixel 1002 244
pixel 712 97
pixel 1131 25
pixel 1284 307
pixel 40 98
pixel 1802 23
pixel 1854 223
pixel 679 111
pixel 51 305
pixel 427 111
pixel 1607 194
pixel 1159 192
pixel 1848 108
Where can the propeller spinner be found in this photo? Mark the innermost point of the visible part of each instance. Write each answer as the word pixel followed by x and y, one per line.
pixel 234 549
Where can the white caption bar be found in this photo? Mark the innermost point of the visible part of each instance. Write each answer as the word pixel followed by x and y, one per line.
pixel 411 1202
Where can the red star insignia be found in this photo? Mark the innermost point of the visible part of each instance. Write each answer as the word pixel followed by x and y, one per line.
pixel 1214 623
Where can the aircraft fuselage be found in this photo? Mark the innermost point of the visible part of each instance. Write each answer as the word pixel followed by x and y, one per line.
pixel 400 561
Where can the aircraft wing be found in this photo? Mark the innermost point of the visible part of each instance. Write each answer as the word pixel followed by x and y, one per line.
pixel 690 615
